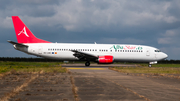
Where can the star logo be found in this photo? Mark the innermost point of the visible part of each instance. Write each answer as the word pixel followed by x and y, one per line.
pixel 24 32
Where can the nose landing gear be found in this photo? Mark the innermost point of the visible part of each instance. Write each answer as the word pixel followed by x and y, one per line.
pixel 150 63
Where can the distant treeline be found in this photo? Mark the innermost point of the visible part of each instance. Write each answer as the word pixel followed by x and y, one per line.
pixel 24 59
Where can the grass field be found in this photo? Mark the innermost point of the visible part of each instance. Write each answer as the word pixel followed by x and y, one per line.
pixel 153 70
pixel 56 67
pixel 162 65
pixel 31 67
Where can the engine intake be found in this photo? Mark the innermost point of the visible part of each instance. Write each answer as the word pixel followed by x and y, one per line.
pixel 105 59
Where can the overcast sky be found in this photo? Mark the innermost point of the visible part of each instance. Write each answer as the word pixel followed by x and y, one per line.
pixel 146 22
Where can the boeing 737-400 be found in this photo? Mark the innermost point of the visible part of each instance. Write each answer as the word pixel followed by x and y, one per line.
pixel 100 53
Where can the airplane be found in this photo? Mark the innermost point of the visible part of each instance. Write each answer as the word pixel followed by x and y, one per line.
pixel 99 53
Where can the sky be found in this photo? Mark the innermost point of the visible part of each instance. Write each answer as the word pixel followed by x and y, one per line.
pixel 143 22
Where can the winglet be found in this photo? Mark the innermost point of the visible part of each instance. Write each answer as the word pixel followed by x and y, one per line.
pixel 23 34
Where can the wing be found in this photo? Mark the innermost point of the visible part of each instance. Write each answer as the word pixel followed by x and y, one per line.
pixel 84 56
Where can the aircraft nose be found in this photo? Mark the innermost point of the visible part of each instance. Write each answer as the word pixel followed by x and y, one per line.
pixel 165 55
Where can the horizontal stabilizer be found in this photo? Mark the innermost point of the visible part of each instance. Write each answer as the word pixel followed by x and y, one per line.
pixel 15 43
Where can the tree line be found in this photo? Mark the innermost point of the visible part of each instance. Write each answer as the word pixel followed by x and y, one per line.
pixel 24 59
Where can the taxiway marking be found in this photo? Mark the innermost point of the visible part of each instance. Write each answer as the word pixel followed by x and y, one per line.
pixel 90 68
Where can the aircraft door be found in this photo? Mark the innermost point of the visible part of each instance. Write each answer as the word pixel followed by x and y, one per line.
pixel 147 52
pixel 40 50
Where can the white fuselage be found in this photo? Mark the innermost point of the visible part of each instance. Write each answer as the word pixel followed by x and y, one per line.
pixel 100 53
pixel 120 52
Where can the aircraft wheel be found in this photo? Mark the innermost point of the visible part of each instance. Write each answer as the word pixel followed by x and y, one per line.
pixel 87 63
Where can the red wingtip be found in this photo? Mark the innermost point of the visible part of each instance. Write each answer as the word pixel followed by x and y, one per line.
pixel 23 34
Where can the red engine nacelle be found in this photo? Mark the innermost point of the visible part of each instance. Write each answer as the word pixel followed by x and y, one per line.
pixel 106 59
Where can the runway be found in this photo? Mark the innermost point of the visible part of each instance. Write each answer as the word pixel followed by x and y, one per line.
pixel 96 83
pixel 101 84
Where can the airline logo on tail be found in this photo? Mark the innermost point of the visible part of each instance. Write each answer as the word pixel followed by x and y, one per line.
pixel 24 32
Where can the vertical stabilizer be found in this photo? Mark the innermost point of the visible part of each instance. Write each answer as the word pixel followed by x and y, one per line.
pixel 23 34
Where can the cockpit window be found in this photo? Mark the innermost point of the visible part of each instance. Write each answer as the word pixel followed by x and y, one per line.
pixel 157 50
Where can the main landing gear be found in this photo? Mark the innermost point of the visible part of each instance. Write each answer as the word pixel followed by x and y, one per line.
pixel 87 63
pixel 150 65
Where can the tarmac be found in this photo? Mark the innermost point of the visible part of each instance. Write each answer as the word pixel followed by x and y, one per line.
pixel 94 83
pixel 98 83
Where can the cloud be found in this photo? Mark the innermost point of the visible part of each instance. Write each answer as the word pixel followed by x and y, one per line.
pixel 76 15
pixel 165 40
pixel 170 37
pixel 149 22
pixel 122 41
pixel 6 23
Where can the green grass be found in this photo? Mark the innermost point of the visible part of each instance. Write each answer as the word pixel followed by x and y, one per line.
pixel 166 65
pixel 31 67
pixel 158 70
pixel 161 65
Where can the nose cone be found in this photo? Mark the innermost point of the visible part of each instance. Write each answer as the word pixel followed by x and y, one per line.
pixel 165 55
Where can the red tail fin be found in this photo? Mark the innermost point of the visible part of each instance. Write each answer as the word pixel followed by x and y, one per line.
pixel 23 34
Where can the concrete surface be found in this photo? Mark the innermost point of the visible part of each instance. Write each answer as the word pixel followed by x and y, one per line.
pixel 104 84
pixel 96 83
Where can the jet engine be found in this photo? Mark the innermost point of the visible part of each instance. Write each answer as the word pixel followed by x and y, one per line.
pixel 105 59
